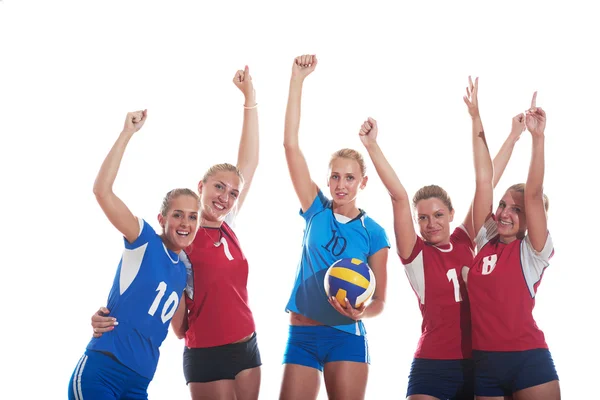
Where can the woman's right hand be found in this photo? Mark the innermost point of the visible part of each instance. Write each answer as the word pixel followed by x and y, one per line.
pixel 134 121
pixel 303 66
pixel 101 323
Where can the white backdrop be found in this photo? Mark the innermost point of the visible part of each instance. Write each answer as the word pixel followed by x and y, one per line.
pixel 71 70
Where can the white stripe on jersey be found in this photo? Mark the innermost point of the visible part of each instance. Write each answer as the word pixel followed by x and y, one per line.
pixel 486 233
pixel 416 276
pixel 77 378
pixel 189 283
pixel 130 266
pixel 534 263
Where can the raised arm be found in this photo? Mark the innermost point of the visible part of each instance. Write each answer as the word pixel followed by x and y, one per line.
pixel 305 188
pixel 537 224
pixel 484 170
pixel 248 151
pixel 503 157
pixel 404 228
pixel 114 208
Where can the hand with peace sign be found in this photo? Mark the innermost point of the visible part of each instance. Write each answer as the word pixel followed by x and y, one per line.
pixel 471 98
pixel 535 120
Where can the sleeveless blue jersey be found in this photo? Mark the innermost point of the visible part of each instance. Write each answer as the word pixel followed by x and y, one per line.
pixel 144 296
pixel 327 240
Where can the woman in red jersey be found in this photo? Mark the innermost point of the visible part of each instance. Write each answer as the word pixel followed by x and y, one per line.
pixel 510 353
pixel 442 367
pixel 221 357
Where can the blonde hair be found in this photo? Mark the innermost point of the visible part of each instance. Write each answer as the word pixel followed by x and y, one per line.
pixel 224 167
pixel 173 194
pixel 427 192
pixel 351 155
pixel 520 188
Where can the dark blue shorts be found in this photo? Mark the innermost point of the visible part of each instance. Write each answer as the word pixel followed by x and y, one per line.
pixel 100 376
pixel 315 346
pixel 501 373
pixel 444 379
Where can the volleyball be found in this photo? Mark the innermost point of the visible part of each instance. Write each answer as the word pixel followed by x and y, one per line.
pixel 352 279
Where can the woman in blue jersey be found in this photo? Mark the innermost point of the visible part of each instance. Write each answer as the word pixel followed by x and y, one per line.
pixel 326 336
pixel 221 357
pixel 147 288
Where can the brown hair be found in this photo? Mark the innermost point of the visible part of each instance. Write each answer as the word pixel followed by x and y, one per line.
pixel 520 188
pixel 222 167
pixel 173 194
pixel 427 192
pixel 352 155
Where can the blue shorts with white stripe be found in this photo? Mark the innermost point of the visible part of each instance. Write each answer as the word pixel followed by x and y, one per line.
pixel 315 346
pixel 100 376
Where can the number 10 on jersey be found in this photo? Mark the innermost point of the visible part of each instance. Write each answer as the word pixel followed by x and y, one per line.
pixel 170 306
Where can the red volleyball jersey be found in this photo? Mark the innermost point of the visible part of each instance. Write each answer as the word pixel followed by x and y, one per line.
pixel 435 276
pixel 502 284
pixel 216 294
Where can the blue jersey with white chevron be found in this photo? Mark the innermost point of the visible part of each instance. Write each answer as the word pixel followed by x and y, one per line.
pixel 328 238
pixel 144 296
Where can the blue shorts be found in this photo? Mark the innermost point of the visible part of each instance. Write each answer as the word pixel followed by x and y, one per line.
pixel 315 346
pixel 100 376
pixel 501 373
pixel 444 379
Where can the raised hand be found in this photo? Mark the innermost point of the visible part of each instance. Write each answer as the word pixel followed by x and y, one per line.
pixel 518 125
pixel 471 98
pixel 243 81
pixel 303 66
pixel 535 118
pixel 134 121
pixel 368 132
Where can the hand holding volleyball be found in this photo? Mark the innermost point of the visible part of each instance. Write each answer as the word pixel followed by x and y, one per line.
pixel 134 121
pixel 303 66
pixel 349 284
pixel 368 132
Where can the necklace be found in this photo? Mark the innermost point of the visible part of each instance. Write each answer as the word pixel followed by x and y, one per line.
pixel 215 243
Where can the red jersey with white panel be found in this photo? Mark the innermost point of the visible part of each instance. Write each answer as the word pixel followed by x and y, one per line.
pixel 216 293
pixel 435 276
pixel 502 284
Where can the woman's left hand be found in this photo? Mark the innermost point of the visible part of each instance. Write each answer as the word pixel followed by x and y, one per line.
pixel 348 311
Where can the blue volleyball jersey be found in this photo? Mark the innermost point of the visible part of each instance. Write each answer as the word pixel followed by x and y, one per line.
pixel 144 296
pixel 325 241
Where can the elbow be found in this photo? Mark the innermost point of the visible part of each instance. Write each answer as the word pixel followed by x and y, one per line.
pixel 101 191
pixel 179 333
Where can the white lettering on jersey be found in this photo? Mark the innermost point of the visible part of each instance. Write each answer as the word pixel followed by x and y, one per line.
pixel 452 277
pixel 170 305
pixel 226 249
pixel 489 263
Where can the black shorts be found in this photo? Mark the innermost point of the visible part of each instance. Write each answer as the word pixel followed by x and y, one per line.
pixel 211 364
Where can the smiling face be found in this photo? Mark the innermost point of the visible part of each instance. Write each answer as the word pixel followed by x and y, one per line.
pixel 511 220
pixel 219 194
pixel 179 219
